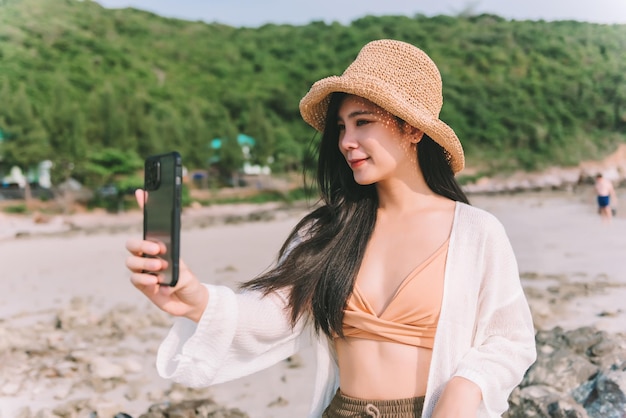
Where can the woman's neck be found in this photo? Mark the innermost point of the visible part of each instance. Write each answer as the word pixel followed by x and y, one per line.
pixel 398 196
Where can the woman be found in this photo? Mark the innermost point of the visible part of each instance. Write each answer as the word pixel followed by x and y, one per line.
pixel 412 296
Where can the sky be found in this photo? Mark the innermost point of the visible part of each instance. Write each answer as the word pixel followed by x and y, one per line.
pixel 254 13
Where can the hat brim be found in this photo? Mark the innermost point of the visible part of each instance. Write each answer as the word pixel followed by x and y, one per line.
pixel 314 106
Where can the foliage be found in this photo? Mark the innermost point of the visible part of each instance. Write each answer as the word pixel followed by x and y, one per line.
pixel 107 165
pixel 19 208
pixel 289 196
pixel 112 172
pixel 80 83
pixel 129 184
pixel 185 196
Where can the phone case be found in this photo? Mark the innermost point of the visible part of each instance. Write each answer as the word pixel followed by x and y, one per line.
pixel 162 209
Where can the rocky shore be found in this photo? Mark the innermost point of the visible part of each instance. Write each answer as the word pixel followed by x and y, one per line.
pixel 79 358
pixel 79 361
pixel 100 222
pixel 82 360
pixel 612 167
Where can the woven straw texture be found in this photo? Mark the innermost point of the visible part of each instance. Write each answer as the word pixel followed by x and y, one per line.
pixel 398 77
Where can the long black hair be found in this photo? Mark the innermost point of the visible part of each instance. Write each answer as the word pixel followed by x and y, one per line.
pixel 321 258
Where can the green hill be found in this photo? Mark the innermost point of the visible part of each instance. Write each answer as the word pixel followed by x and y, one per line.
pixel 77 79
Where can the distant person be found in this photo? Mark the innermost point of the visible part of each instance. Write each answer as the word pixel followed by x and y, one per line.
pixel 605 192
pixel 412 296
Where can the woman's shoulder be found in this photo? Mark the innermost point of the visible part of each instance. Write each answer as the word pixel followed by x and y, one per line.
pixel 477 220
pixel 474 213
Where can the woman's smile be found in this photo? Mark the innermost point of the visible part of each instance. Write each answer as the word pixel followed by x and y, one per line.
pixel 357 162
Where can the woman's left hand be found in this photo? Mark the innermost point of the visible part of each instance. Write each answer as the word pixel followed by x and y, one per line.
pixel 460 399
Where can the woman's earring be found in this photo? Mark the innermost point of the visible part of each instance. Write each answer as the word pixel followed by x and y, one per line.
pixel 417 138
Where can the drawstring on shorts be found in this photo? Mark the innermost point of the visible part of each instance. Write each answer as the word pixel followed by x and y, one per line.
pixel 372 411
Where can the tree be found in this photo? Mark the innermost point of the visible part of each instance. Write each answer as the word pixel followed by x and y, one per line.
pixel 108 117
pixel 230 157
pixel 260 128
pixel 27 144
pixel 112 167
pixel 106 165
pixel 67 129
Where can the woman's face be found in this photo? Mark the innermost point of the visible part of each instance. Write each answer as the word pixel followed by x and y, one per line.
pixel 373 143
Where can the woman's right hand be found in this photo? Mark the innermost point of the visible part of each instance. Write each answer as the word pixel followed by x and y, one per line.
pixel 188 298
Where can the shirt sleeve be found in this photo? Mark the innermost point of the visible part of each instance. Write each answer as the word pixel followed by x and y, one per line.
pixel 237 335
pixel 503 347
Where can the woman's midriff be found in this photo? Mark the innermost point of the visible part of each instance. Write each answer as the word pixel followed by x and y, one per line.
pixel 381 370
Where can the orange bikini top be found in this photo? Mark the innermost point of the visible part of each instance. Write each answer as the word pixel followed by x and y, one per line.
pixel 412 315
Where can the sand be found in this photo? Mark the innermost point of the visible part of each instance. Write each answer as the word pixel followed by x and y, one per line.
pixel 572 268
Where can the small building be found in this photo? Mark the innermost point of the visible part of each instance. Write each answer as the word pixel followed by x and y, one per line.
pixel 246 143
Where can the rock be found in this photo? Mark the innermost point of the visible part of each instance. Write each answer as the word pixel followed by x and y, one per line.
pixel 105 408
pixel 295 361
pixel 62 389
pixel 202 408
pixel 543 401
pixel 613 167
pixel 66 369
pixel 581 339
pixel 578 374
pixel 103 368
pixel 131 365
pixel 77 315
pixel 24 412
pixel 155 394
pixel 280 401
pixel 608 397
pixel 40 218
pixel 562 370
pixel 47 413
pixel 73 409
pixel 10 389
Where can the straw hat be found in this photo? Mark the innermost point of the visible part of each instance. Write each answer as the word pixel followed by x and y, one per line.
pixel 398 77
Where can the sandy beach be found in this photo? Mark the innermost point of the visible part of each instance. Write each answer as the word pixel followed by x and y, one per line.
pixel 72 327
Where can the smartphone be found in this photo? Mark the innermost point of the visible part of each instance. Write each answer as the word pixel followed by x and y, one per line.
pixel 162 209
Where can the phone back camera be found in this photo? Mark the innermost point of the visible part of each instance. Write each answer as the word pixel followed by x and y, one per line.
pixel 153 175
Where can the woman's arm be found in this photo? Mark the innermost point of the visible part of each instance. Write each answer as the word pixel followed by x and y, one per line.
pixel 218 334
pixel 460 399
pixel 238 334
pixel 503 347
